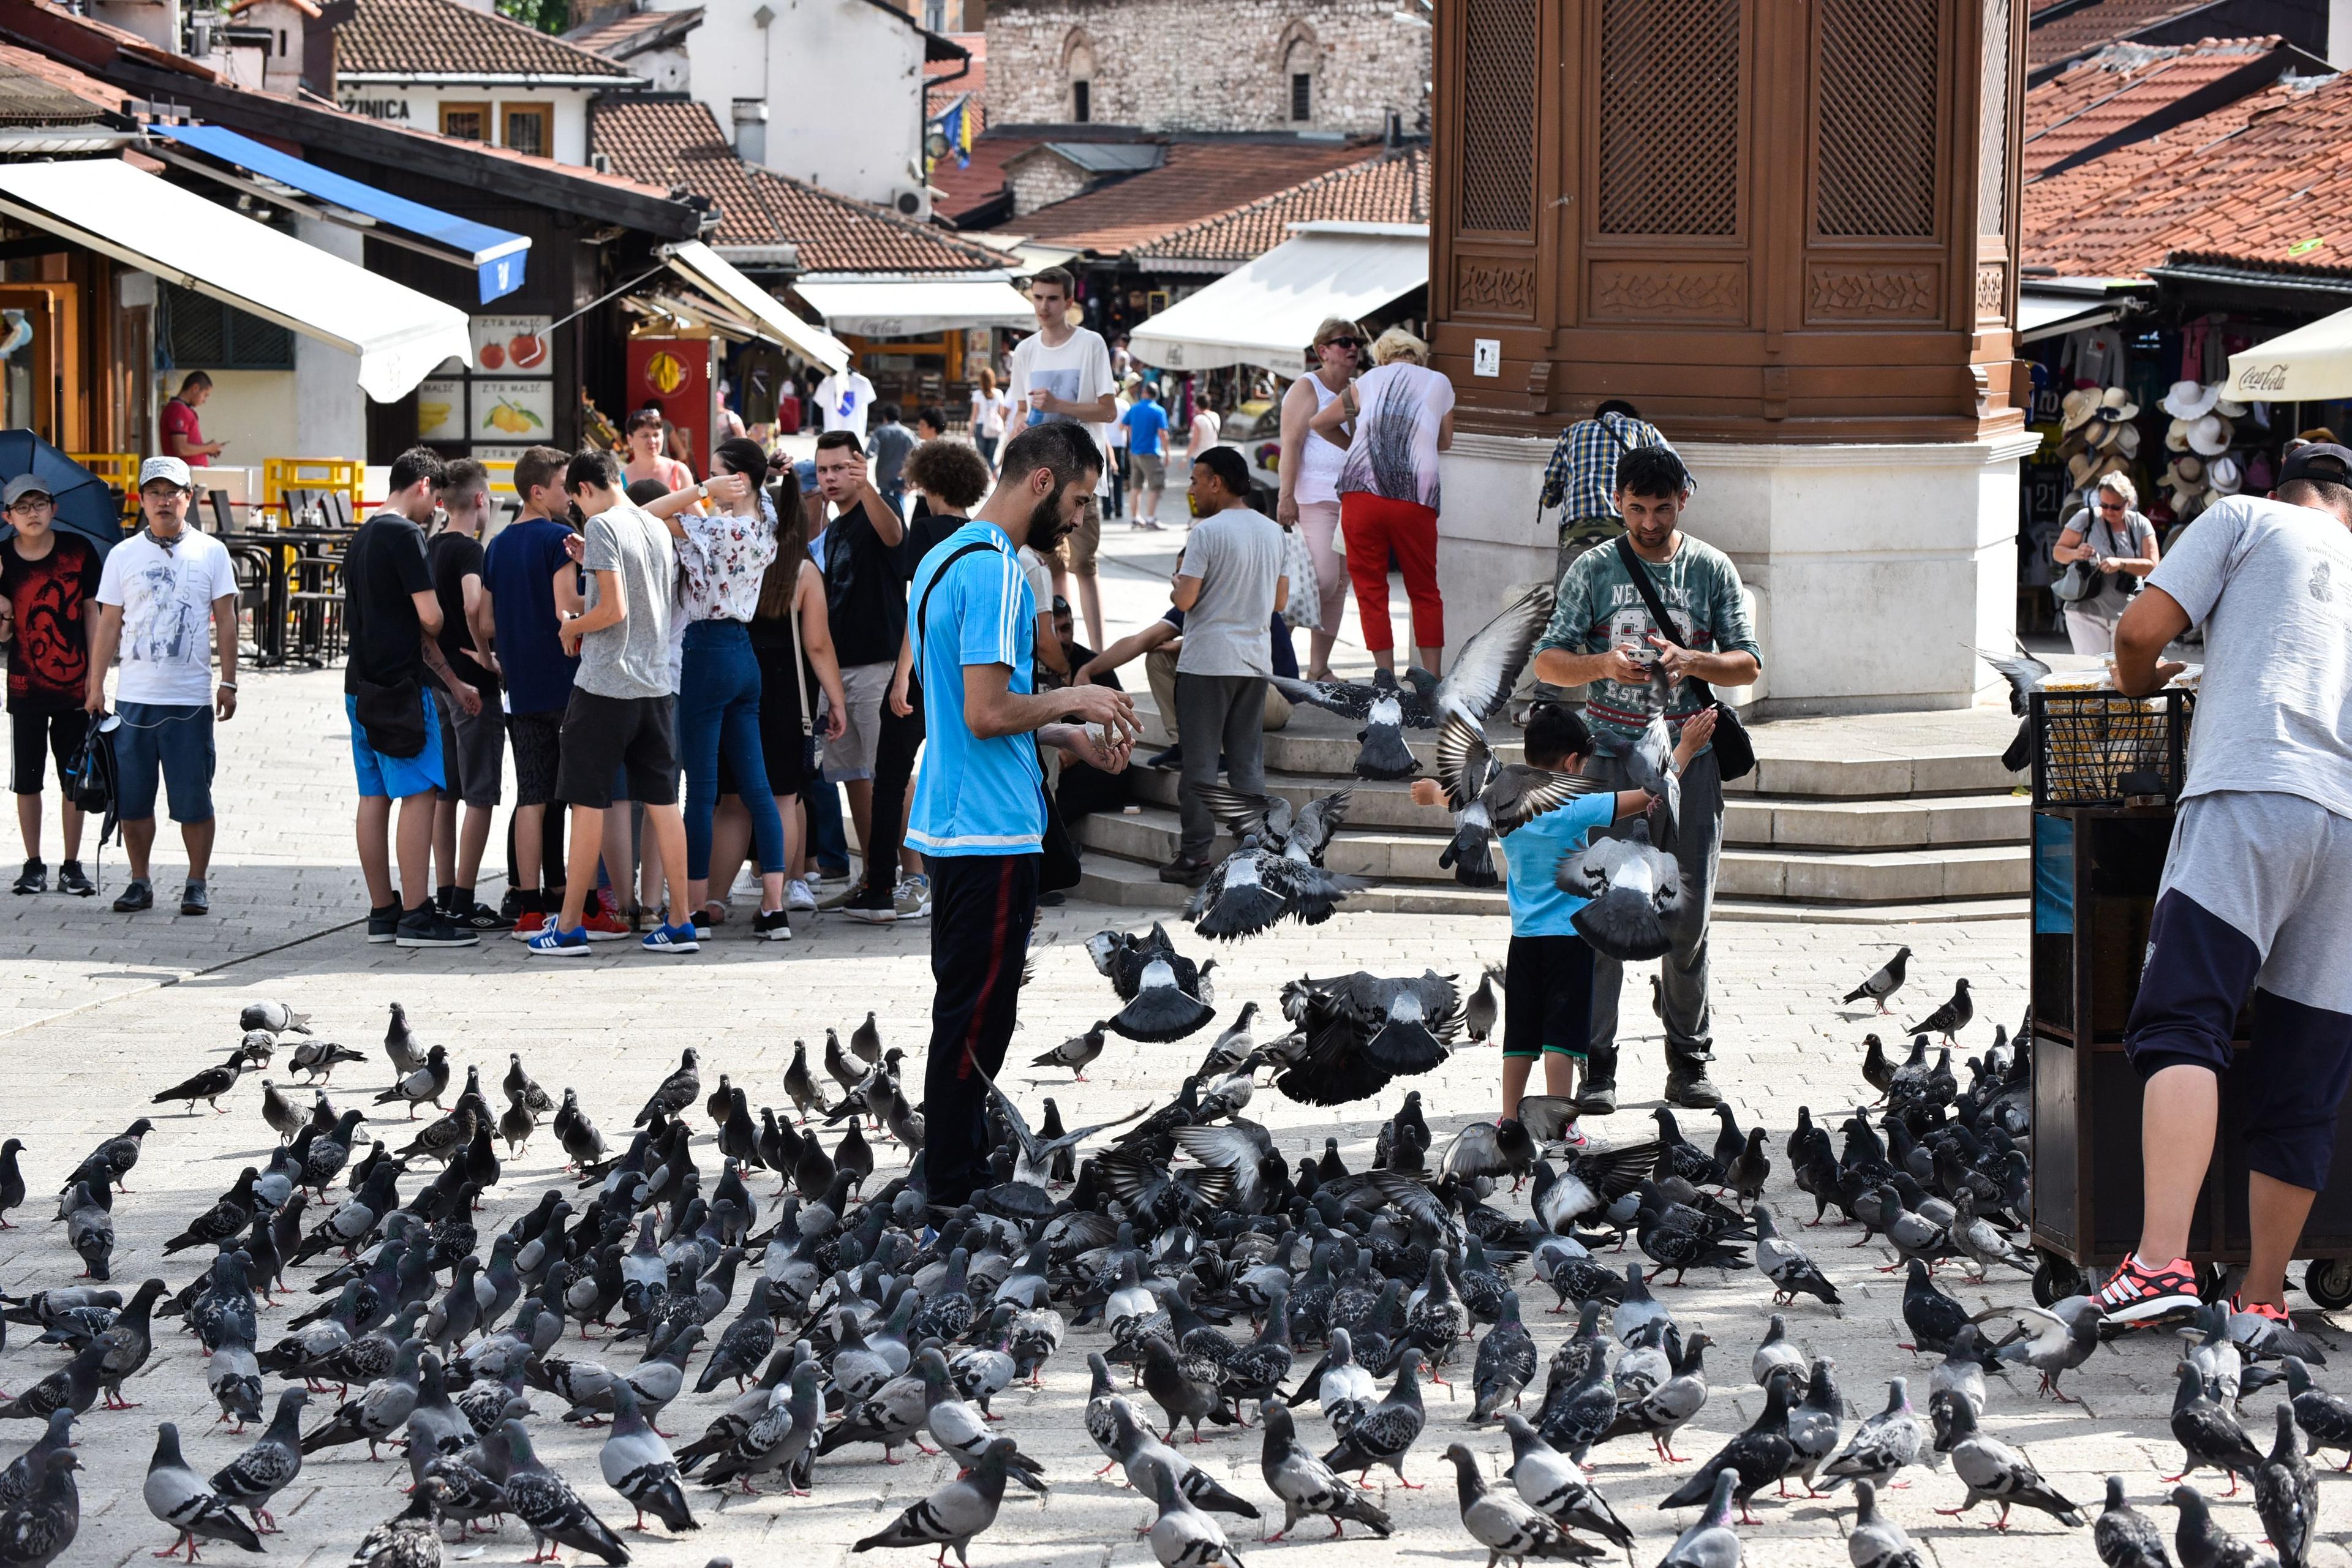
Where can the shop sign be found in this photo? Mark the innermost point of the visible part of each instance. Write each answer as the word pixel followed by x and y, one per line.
pixel 441 410
pixel 378 108
pixel 512 410
pixel 512 345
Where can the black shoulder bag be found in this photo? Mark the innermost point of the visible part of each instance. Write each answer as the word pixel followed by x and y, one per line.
pixel 1735 753
pixel 1060 869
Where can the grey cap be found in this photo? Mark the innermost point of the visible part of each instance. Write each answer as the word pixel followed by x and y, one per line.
pixel 169 468
pixel 20 486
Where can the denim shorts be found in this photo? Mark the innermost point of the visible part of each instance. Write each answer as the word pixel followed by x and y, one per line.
pixel 174 740
pixel 396 778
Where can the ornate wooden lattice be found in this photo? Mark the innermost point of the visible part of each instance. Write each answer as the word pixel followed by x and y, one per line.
pixel 1670 117
pixel 1498 105
pixel 1993 168
pixel 1877 99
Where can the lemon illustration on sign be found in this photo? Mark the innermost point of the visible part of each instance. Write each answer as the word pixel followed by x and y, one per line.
pixel 511 418
pixel 664 372
pixel 432 415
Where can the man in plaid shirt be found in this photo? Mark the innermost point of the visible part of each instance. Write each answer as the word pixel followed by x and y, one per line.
pixel 1581 477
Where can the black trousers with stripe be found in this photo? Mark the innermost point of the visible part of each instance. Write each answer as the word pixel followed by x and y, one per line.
pixel 982 907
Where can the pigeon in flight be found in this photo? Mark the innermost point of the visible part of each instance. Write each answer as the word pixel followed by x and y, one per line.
pixel 1490 798
pixel 1633 889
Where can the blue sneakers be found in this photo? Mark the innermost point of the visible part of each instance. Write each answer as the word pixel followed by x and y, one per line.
pixel 552 942
pixel 668 938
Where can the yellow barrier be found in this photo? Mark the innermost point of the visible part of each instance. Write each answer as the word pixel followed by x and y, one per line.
pixel 119 471
pixel 279 475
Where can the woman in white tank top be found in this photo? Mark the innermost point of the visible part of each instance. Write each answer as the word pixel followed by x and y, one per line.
pixel 1310 472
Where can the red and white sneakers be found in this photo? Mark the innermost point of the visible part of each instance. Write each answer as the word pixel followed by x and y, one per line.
pixel 2135 1293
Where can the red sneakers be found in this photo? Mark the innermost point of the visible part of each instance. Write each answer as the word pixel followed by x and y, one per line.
pixel 2276 1314
pixel 603 926
pixel 2135 1293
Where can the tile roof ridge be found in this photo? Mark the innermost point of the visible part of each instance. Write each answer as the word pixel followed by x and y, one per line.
pixel 1328 177
pixel 601 65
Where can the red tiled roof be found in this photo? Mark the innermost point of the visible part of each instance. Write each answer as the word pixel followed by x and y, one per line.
pixel 1200 179
pixel 676 141
pixel 2096 26
pixel 1388 188
pixel 38 91
pixel 614 39
pixel 402 38
pixel 2258 181
pixel 2121 86
pixel 967 190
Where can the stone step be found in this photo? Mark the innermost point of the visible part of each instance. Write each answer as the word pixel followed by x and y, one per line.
pixel 1876 877
pixel 1945 911
pixel 1803 820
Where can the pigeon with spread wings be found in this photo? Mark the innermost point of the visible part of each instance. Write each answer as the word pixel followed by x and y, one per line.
pixel 1252 890
pixel 1633 889
pixel 2024 672
pixel 1490 663
pixel 1490 798
pixel 1301 833
pixel 1033 1156
pixel 1362 1030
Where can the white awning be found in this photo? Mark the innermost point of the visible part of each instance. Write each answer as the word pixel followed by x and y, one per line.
pixel 717 276
pixel 399 334
pixel 2310 364
pixel 1265 312
pixel 2050 315
pixel 913 306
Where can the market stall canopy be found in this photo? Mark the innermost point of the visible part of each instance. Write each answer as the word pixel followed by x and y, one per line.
pixel 498 256
pixel 398 333
pixel 1265 312
pixel 706 270
pixel 2053 313
pixel 913 306
pixel 2310 364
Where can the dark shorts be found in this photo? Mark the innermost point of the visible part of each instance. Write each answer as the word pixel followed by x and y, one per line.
pixel 170 739
pixel 635 735
pixel 1548 996
pixel 473 751
pixel 538 741
pixel 59 733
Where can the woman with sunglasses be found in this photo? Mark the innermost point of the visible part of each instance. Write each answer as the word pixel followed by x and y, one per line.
pixel 2110 533
pixel 1310 472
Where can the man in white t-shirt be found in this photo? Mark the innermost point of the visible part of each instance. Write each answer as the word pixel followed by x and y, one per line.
pixel 844 400
pixel 1062 372
pixel 156 593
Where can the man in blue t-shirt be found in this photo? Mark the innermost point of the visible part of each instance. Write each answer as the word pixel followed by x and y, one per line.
pixel 1146 456
pixel 532 582
pixel 979 814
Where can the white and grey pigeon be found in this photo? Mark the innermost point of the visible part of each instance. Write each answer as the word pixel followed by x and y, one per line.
pixel 1253 889
pixel 1876 1541
pixel 178 1497
pixel 1162 1009
pixel 1633 889
pixel 1711 1543
pixel 951 1516
pixel 1491 798
pixel 1182 1536
pixel 251 1480
pixel 1296 833
pixel 1488 664
pixel 1505 1523
pixel 1886 983
pixel 1884 1444
pixel 275 1016
pixel 1553 1485
pixel 1307 1487
pixel 1382 753
pixel 637 1463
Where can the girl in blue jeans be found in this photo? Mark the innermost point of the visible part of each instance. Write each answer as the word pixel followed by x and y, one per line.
pixel 722 560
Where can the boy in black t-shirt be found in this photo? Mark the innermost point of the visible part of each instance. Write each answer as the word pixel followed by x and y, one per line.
pixel 46 579
pixel 473 745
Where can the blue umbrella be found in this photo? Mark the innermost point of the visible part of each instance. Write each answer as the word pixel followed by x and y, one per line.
pixel 85 505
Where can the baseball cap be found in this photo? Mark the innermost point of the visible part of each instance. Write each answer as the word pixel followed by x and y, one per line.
pixel 805 471
pixel 169 468
pixel 2320 460
pixel 20 486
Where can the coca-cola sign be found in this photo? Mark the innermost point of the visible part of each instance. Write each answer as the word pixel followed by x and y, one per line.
pixel 2262 378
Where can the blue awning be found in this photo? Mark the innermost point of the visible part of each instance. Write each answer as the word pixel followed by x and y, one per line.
pixel 497 255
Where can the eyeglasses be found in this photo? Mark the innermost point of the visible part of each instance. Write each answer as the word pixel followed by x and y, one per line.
pixel 1348 343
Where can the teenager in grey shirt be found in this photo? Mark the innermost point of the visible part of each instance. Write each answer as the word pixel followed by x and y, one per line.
pixel 623 716
pixel 2257 888
pixel 1230 587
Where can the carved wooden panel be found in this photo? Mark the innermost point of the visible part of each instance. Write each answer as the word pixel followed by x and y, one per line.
pixel 1834 293
pixel 1484 286
pixel 1992 291
pixel 1670 117
pixel 1499 99
pixel 1992 121
pixel 1875 117
pixel 1684 294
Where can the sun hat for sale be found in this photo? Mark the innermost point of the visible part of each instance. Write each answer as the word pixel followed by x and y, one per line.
pixel 2176 435
pixel 2187 400
pixel 2118 403
pixel 2231 408
pixel 2185 471
pixel 2080 468
pixel 2076 407
pixel 2210 436
pixel 2222 477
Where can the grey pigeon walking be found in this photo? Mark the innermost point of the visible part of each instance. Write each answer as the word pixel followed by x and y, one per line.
pixel 178 1497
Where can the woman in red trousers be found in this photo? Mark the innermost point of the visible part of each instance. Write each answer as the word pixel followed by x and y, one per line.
pixel 1403 416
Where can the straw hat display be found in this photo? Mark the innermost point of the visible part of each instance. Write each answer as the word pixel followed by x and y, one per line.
pixel 2222 479
pixel 2116 403
pixel 2210 436
pixel 2076 409
pixel 2187 400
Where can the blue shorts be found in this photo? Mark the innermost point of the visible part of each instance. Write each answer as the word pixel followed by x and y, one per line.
pixel 174 740
pixel 396 778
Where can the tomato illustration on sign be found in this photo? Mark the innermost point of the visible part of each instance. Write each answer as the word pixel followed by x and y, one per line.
pixel 664 372
pixel 528 351
pixel 492 356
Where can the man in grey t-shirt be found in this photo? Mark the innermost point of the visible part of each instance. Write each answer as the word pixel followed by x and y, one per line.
pixel 1229 587
pixel 623 714
pixel 2257 888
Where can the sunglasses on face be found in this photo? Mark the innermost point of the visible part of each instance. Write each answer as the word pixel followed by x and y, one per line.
pixel 1350 345
pixel 2111 506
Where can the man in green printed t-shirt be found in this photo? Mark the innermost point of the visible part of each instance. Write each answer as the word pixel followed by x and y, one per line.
pixel 1602 635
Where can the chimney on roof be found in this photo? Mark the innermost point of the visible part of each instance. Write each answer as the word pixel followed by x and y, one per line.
pixel 1392 135
pixel 752 130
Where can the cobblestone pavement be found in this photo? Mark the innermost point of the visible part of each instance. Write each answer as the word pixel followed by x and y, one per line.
pixel 103 1009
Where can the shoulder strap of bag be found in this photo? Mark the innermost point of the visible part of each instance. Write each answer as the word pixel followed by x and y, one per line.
pixel 922 607
pixel 1657 609
pixel 800 658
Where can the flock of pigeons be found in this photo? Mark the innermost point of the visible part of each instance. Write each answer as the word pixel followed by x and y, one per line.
pixel 1214 1280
